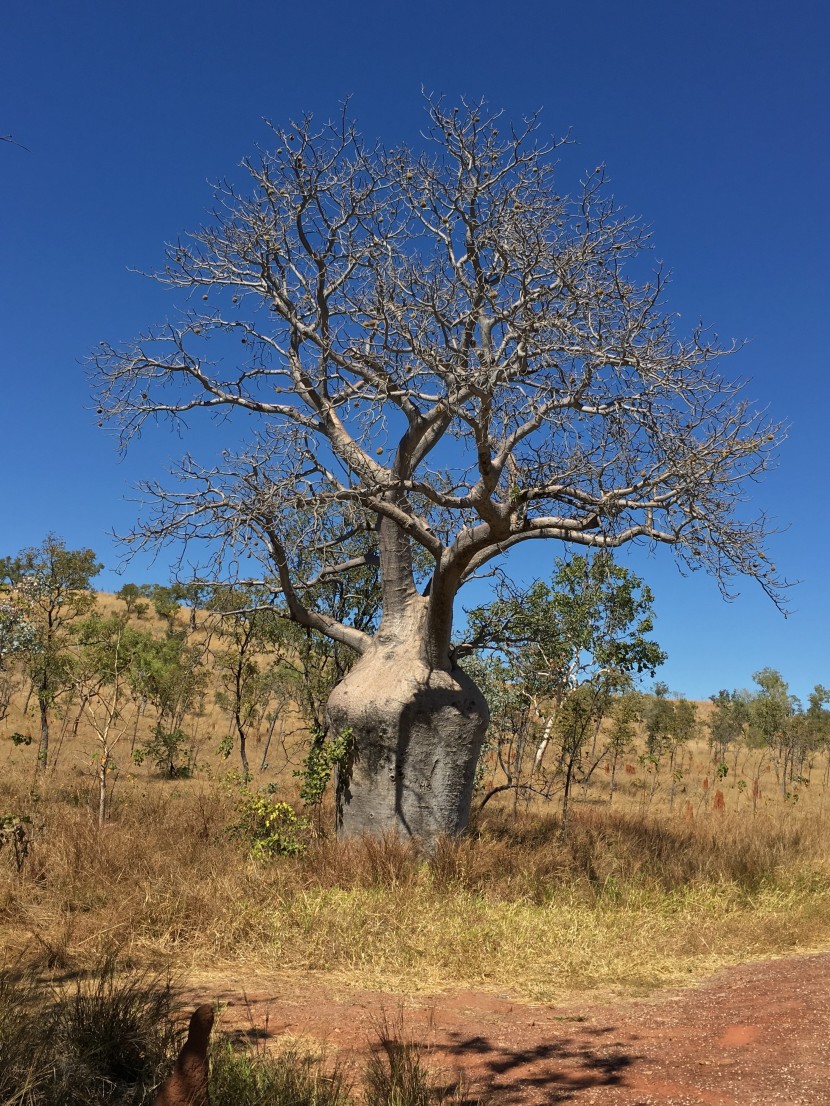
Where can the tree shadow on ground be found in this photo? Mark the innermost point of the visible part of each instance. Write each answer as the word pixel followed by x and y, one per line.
pixel 554 1072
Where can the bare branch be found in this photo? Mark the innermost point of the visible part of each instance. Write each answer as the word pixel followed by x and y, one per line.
pixel 444 352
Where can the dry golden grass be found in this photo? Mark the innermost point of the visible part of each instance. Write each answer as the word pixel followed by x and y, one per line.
pixel 625 903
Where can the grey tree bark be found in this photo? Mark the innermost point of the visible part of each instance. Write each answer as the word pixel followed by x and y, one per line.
pixel 416 730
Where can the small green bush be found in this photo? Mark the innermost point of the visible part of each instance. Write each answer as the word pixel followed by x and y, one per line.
pixel 268 827
pixel 290 1078
pixel 324 756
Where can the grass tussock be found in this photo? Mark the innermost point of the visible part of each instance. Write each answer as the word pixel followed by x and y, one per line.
pixel 106 1041
pixel 619 902
pixel 247 1077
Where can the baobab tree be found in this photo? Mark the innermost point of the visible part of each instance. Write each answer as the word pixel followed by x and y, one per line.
pixel 439 355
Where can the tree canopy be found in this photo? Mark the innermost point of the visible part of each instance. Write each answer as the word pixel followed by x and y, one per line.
pixel 442 341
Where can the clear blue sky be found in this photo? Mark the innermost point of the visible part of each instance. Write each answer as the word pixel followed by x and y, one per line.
pixel 712 118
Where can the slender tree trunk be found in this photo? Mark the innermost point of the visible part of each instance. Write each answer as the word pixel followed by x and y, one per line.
pixel 673 780
pixel 243 756
pixel 756 784
pixel 613 781
pixel 543 744
pixel 566 795
pixel 102 790
pixel 142 706
pixel 263 763
pixel 43 747
pixel 784 774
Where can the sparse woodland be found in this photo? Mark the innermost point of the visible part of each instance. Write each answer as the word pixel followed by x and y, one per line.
pixel 184 680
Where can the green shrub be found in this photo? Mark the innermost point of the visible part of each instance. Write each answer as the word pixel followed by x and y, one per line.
pixel 168 751
pixel 268 827
pixel 324 756
pixel 290 1078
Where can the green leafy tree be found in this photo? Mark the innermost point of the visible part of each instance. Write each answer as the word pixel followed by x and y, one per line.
pixel 18 638
pixel 671 723
pixel 17 633
pixel 772 710
pixel 626 713
pixel 817 723
pixel 809 732
pixel 56 584
pixel 578 721
pixel 569 646
pixel 134 597
pixel 165 600
pixel 193 594
pixel 659 718
pixel 170 674
pixel 684 729
pixel 510 737
pixel 246 633
pixel 107 647
pixel 727 722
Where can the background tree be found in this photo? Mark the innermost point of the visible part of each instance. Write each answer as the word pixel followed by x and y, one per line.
pixel 771 712
pixel 684 728
pixel 195 595
pixel 817 723
pixel 513 726
pixel 165 599
pixel 569 647
pixel 245 632
pixel 659 719
pixel 134 597
pixel 17 639
pixel 56 584
pixel 727 723
pixel 441 350
pixel 626 713
pixel 671 723
pixel 107 646
pixel 171 675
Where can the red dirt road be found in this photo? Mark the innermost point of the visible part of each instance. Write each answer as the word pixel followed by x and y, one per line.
pixel 751 1035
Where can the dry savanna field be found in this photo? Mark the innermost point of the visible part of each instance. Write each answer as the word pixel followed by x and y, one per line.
pixel 670 880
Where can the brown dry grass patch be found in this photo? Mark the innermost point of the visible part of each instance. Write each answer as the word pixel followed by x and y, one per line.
pixel 621 903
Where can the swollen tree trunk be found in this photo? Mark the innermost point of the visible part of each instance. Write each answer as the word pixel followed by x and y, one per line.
pixel 416 734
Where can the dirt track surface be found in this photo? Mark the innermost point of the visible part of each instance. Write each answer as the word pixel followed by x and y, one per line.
pixel 751 1035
